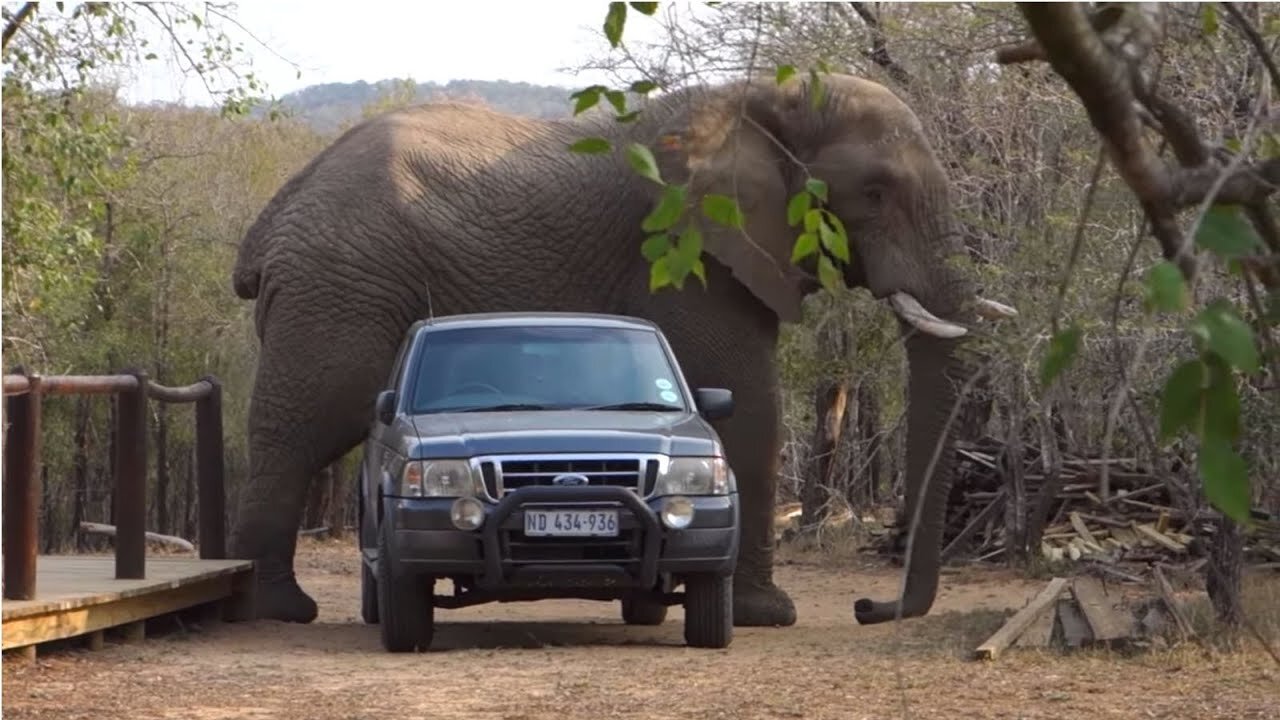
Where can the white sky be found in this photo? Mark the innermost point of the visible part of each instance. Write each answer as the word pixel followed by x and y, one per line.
pixel 428 40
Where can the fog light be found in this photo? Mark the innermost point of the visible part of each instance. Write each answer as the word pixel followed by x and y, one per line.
pixel 677 512
pixel 467 513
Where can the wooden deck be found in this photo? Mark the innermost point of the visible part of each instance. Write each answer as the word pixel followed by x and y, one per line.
pixel 79 595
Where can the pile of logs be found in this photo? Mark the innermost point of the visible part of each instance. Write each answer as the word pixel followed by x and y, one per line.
pixel 1128 516
pixel 1083 612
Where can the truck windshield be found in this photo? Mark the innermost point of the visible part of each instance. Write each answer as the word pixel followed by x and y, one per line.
pixel 543 368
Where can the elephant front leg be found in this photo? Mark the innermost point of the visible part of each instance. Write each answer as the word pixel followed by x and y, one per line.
pixel 752 443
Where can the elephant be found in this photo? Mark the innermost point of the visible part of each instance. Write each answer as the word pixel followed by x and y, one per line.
pixel 447 208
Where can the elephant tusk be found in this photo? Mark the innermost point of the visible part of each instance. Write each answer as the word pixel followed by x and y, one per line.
pixel 910 309
pixel 992 310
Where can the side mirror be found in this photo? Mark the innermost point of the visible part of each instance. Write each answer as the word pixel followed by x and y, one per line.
pixel 714 403
pixel 385 407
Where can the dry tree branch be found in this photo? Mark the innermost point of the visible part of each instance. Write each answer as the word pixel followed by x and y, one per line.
pixel 1259 45
pixel 1113 92
pixel 879 53
pixel 12 26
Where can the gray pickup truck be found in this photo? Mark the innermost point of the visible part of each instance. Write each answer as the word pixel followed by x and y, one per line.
pixel 528 456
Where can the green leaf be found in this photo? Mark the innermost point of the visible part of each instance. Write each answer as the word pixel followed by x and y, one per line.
pixel 815 90
pixel 700 271
pixel 1166 289
pixel 655 247
pixel 659 274
pixel 812 219
pixel 1228 335
pixel 591 146
pixel 827 274
pixel 1224 231
pixel 643 87
pixel 645 8
pixel 586 98
pixel 834 242
pixel 1063 347
pixel 1209 19
pixel 642 160
pixel 690 248
pixel 1180 401
pixel 628 117
pixel 614 21
pixel 668 210
pixel 1225 477
pixel 806 245
pixel 817 187
pixel 784 73
pixel 1220 406
pixel 617 99
pixel 723 210
pixel 797 207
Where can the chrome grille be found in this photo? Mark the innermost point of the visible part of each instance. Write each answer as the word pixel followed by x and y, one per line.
pixel 506 473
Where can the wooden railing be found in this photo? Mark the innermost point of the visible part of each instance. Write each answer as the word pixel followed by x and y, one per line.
pixel 24 394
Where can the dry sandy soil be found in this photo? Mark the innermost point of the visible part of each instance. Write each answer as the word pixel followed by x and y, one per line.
pixel 569 659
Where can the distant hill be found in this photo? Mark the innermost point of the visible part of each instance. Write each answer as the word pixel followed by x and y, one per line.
pixel 329 106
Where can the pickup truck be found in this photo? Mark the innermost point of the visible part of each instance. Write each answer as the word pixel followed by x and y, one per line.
pixel 529 456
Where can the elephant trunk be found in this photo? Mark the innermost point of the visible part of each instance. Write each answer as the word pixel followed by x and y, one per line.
pixel 936 377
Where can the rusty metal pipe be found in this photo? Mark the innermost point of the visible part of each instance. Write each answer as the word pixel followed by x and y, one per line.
pixel 22 491
pixel 194 392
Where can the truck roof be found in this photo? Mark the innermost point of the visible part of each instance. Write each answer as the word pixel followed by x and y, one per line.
pixel 529 318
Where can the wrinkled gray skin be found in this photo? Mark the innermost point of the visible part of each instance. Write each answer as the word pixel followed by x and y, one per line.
pixel 492 213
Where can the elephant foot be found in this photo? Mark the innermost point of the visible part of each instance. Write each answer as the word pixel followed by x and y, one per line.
pixel 284 600
pixel 757 604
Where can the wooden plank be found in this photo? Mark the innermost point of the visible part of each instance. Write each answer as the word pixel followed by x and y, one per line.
pixel 1149 531
pixel 1038 633
pixel 1075 629
pixel 60 624
pixel 68 582
pixel 1083 530
pixel 1185 629
pixel 1107 625
pixel 1014 627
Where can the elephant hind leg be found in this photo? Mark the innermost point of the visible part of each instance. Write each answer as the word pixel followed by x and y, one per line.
pixel 312 396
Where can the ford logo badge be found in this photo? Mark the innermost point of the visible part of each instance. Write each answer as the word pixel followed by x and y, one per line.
pixel 571 479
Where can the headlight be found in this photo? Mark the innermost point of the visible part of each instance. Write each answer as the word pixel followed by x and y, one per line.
pixel 696 476
pixel 438 478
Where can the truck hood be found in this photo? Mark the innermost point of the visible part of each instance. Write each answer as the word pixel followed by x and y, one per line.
pixel 567 431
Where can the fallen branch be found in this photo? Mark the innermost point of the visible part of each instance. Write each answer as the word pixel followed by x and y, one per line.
pixel 110 530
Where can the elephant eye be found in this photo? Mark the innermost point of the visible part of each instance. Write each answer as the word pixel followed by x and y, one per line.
pixel 874 194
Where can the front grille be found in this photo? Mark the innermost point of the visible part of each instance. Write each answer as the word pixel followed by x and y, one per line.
pixel 503 475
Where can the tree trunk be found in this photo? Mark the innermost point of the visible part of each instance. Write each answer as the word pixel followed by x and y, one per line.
pixel 869 439
pixel 80 469
pixel 829 402
pixel 1015 534
pixel 318 499
pixel 189 492
pixel 337 515
pixel 162 468
pixel 1222 575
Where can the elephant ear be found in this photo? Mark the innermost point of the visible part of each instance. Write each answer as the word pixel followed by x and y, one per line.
pixel 730 143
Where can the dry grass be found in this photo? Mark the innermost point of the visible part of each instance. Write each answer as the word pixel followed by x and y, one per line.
pixel 569 659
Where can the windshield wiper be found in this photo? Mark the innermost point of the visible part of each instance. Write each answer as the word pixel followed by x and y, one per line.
pixel 634 406
pixel 508 406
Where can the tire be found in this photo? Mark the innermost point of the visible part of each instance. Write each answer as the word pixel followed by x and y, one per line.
pixel 642 611
pixel 368 593
pixel 708 611
pixel 405 608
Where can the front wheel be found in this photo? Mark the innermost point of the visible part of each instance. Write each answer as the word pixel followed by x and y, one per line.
pixel 368 593
pixel 708 611
pixel 405 608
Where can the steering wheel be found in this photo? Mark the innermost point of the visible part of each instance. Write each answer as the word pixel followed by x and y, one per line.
pixel 482 386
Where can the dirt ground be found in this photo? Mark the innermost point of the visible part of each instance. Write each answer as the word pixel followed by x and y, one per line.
pixel 571 659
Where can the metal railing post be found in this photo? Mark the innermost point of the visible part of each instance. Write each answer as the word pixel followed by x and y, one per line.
pixel 131 479
pixel 22 490
pixel 210 473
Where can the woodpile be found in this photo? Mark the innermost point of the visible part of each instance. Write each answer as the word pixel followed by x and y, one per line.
pixel 1131 518
pixel 1084 612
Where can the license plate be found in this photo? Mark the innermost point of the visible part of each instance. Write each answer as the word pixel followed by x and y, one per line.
pixel 571 523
